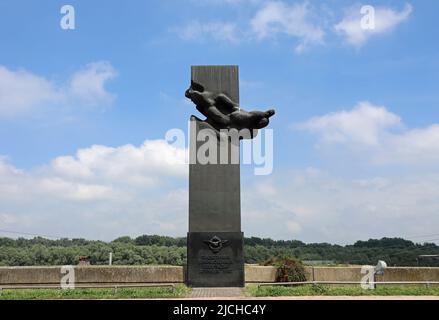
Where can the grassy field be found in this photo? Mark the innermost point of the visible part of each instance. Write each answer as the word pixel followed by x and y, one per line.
pixel 104 293
pixel 182 291
pixel 321 290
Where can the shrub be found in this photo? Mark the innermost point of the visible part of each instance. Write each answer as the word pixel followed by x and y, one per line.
pixel 288 269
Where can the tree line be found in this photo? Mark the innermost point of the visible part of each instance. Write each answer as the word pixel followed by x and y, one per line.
pixel 162 250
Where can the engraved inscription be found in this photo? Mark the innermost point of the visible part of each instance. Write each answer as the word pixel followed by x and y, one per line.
pixel 215 264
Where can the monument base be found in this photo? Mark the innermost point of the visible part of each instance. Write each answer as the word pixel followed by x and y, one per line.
pixel 215 259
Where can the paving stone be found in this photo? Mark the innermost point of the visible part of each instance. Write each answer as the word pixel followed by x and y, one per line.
pixel 216 292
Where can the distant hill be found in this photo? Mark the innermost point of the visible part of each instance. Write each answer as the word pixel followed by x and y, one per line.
pixel 155 249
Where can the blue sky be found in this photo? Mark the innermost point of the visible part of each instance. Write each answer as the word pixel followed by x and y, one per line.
pixel 355 135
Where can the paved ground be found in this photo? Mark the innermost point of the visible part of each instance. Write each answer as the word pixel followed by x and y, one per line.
pixel 356 298
pixel 216 293
pixel 238 294
pixel 320 298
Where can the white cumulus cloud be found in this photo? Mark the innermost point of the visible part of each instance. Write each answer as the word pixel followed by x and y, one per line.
pixel 299 22
pixel 214 30
pixel 269 20
pixel 100 192
pixel 378 134
pixel 364 124
pixel 103 192
pixel 23 93
pixel 386 20
pixel 316 206
pixel 88 84
pixel 292 20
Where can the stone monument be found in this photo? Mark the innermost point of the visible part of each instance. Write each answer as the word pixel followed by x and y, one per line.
pixel 215 240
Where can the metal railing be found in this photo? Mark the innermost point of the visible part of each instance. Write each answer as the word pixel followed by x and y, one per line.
pixel 273 284
pixel 90 286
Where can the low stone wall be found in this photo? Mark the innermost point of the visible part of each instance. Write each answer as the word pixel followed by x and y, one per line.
pixel 390 274
pixel 255 274
pixel 410 274
pixel 172 274
pixel 92 275
pixel 334 273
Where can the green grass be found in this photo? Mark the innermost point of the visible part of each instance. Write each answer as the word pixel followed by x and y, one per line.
pixel 102 293
pixel 322 290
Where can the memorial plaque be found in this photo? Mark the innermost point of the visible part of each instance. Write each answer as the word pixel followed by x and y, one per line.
pixel 215 259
